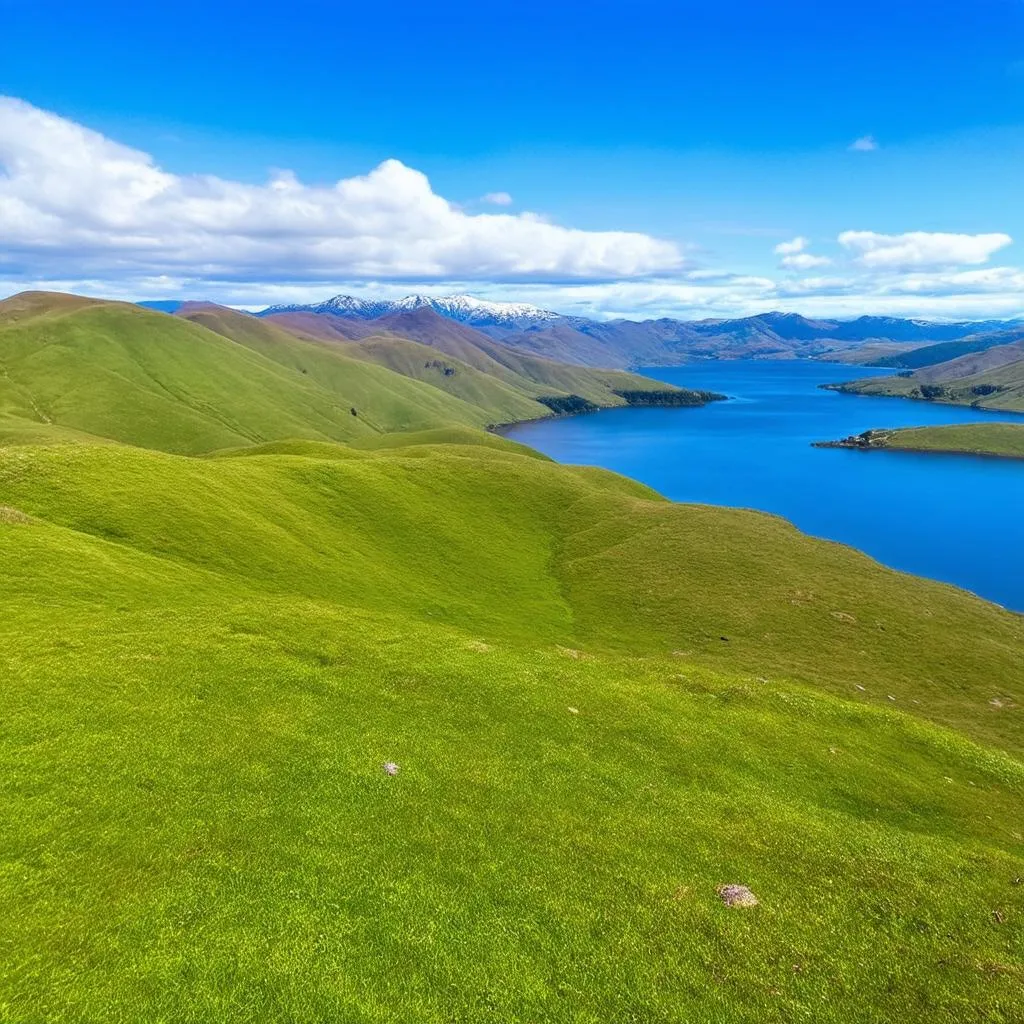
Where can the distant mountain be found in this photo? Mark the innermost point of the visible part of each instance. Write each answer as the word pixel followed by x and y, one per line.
pixel 627 344
pixel 461 308
pixel 932 355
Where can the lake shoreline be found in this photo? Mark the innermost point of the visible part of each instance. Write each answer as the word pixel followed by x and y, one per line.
pixel 855 388
pixel 704 398
pixel 758 451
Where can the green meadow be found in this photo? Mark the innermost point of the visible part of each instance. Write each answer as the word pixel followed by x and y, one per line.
pixel 228 602
pixel 999 439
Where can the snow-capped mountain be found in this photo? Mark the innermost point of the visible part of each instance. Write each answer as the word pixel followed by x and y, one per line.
pixel 340 305
pixel 464 308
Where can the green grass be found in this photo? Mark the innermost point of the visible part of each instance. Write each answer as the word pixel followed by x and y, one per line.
pixel 1000 439
pixel 196 825
pixel 491 383
pixel 125 373
pixel 603 705
pixel 1001 388
pixel 506 403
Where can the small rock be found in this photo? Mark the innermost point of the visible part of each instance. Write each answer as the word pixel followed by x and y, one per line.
pixel 390 768
pixel 736 896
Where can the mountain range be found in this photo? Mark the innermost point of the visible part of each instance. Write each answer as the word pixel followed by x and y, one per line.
pixel 622 343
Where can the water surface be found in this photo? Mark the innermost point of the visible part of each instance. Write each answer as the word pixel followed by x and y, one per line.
pixel 954 518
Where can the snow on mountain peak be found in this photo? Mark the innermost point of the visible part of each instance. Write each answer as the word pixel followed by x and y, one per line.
pixel 464 308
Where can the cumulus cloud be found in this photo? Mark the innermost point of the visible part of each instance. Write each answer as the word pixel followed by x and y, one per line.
pixel 794 256
pixel 71 198
pixel 81 212
pixel 497 199
pixel 921 248
pixel 865 144
pixel 805 261
pixel 792 248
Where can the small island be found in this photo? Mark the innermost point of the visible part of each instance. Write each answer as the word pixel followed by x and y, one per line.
pixel 996 440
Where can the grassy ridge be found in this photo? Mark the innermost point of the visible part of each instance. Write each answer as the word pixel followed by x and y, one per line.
pixel 196 825
pixel 482 371
pixel 126 373
pixel 1000 387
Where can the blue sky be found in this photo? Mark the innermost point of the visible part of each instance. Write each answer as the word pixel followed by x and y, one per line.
pixel 680 142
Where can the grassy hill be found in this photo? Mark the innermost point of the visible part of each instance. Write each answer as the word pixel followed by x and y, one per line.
pixel 509 402
pixel 1004 440
pixel 533 375
pixel 602 706
pixel 359 377
pixel 932 355
pixel 122 372
pixel 989 378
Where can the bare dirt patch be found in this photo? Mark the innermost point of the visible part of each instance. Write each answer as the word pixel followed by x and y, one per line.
pixel 12 515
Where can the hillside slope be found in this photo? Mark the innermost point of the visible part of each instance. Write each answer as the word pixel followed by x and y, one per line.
pixel 533 376
pixel 991 378
pixel 125 373
pixel 601 706
pixel 931 355
pixel 365 383
pixel 507 401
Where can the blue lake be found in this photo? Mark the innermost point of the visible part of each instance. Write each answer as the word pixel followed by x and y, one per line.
pixel 954 518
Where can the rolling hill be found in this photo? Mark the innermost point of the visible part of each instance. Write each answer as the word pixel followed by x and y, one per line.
pixel 931 355
pixel 210 378
pixel 120 372
pixel 534 376
pixel 601 706
pixel 421 726
pixel 988 378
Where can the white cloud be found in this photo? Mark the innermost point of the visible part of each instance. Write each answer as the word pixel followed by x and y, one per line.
pixel 791 248
pixel 921 248
pixel 794 256
pixel 865 144
pixel 497 199
pixel 80 212
pixel 72 199
pixel 804 261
